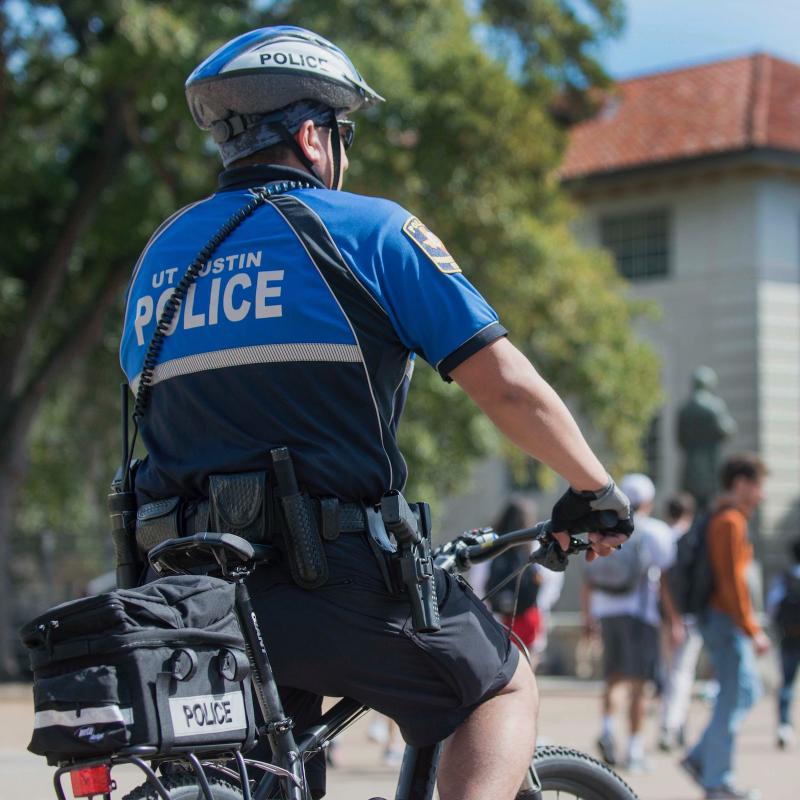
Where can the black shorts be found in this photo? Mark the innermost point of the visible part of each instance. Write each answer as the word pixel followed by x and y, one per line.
pixel 353 638
pixel 630 648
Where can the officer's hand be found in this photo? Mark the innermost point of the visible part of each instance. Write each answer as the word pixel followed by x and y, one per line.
pixel 604 512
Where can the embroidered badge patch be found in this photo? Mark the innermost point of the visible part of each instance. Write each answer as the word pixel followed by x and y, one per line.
pixel 431 245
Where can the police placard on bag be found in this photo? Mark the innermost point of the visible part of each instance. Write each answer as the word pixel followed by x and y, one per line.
pixel 207 713
pixel 149 666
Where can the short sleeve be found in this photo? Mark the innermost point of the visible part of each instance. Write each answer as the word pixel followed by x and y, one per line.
pixel 435 310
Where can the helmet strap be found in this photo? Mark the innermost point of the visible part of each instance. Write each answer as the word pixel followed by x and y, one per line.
pixel 336 148
pixel 291 142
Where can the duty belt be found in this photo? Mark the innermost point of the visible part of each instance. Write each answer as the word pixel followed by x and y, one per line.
pixel 174 516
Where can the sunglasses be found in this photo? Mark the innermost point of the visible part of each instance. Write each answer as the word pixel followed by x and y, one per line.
pixel 347 131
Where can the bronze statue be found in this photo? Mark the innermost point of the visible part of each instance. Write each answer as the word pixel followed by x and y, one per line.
pixel 704 422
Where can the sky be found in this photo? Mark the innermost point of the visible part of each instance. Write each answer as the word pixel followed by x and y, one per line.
pixel 661 34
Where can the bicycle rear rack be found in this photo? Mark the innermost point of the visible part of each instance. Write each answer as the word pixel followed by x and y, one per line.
pixel 137 756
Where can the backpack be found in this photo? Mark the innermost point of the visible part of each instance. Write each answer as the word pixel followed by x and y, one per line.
pixel 787 614
pixel 504 565
pixel 690 579
pixel 620 572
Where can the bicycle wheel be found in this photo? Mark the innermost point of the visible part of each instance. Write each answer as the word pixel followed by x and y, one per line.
pixel 566 773
pixel 185 787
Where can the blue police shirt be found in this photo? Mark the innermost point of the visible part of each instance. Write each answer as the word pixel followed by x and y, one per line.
pixel 300 331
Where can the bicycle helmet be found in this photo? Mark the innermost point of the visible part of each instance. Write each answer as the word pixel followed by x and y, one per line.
pixel 248 83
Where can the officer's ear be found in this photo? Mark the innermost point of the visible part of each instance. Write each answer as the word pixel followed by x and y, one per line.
pixel 310 142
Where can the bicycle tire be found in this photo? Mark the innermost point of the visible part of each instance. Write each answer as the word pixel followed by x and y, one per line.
pixel 185 787
pixel 564 771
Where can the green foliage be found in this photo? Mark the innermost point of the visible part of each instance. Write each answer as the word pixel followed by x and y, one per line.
pixel 74 451
pixel 465 140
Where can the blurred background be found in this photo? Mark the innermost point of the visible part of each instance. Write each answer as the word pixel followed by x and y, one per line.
pixel 620 179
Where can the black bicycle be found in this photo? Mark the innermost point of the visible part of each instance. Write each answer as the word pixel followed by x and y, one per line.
pixel 555 771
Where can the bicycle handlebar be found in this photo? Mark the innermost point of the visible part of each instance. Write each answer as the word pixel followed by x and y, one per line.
pixel 484 544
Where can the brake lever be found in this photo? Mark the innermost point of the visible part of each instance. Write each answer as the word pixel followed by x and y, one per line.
pixel 552 557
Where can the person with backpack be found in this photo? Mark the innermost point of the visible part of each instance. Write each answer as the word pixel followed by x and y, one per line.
pixel 783 605
pixel 621 592
pixel 731 633
pixel 681 664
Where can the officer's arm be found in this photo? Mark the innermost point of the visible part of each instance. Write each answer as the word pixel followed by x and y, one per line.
pixel 501 380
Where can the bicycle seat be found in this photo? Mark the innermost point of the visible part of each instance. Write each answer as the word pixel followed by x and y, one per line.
pixel 203 550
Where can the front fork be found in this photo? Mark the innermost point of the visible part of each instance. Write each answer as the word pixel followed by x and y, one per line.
pixel 531 788
pixel 277 726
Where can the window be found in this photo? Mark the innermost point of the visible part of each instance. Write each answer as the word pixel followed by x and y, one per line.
pixel 639 242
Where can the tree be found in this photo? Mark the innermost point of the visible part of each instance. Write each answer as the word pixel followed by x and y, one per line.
pixel 99 148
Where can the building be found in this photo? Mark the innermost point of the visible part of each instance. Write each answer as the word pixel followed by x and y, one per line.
pixel 691 178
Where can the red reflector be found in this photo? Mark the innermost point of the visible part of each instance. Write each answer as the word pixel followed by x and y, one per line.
pixel 92 780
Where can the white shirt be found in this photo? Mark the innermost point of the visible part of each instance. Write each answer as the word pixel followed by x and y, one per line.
pixel 657 545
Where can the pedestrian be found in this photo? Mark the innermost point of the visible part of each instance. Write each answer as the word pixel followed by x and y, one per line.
pixel 730 631
pixel 551 585
pixel 684 651
pixel 515 603
pixel 622 595
pixel 783 605
pixel 540 588
pixel 296 327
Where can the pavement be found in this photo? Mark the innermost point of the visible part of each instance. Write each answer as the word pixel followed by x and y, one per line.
pixel 569 715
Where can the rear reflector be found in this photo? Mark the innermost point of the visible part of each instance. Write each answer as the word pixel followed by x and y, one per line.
pixel 92 780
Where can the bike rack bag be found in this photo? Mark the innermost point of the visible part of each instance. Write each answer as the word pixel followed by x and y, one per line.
pixel 160 666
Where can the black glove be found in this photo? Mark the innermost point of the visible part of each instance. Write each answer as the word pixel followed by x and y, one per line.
pixel 606 511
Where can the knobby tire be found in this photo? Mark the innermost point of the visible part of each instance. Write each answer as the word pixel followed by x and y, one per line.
pixel 564 772
pixel 186 787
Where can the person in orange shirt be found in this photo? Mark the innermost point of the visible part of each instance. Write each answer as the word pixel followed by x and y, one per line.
pixel 730 630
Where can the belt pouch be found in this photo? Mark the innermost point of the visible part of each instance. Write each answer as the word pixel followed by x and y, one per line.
pixel 237 504
pixel 156 522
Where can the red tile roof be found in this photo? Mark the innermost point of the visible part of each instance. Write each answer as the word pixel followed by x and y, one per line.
pixel 723 107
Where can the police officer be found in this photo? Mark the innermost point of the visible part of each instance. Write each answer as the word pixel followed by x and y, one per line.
pixel 299 328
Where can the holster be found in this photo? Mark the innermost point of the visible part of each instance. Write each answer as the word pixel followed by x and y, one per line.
pixel 303 543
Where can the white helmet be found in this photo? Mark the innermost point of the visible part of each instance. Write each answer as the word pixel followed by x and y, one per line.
pixel 267 69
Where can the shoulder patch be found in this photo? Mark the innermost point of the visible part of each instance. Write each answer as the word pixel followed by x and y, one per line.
pixel 431 245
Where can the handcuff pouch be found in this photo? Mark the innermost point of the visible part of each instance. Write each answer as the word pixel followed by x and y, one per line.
pixel 238 504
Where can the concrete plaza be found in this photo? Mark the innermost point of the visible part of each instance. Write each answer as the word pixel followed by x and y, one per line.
pixel 569 716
